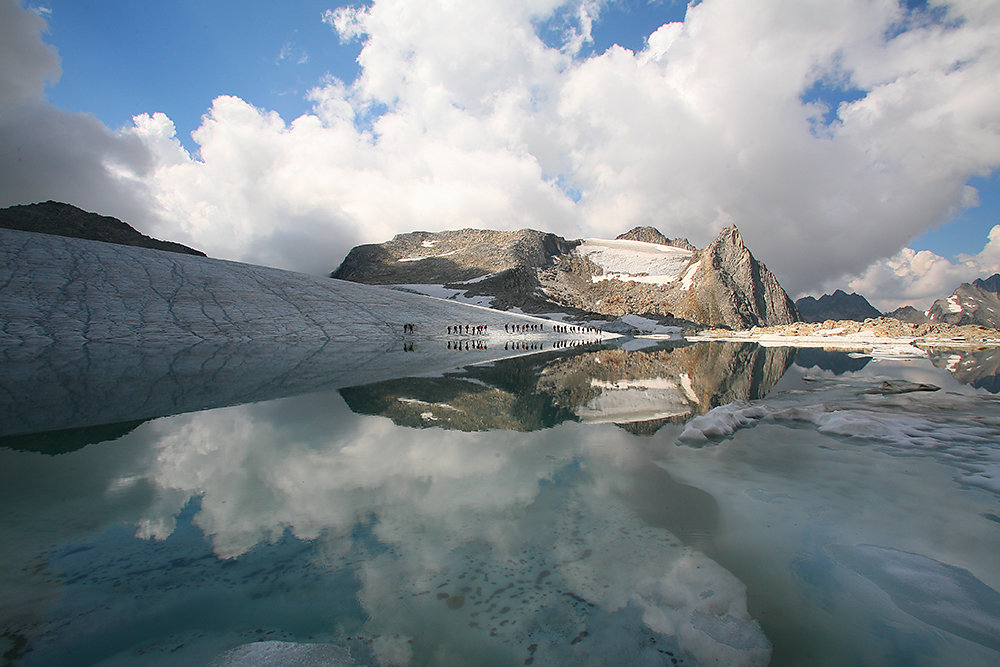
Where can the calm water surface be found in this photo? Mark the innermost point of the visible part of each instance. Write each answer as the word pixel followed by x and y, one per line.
pixel 715 504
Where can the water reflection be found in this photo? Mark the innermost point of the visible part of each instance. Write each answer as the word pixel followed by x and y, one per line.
pixel 640 390
pixel 546 535
pixel 404 546
pixel 979 368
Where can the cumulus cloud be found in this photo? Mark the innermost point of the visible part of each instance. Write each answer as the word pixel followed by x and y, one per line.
pixel 467 117
pixel 918 278
pixel 47 153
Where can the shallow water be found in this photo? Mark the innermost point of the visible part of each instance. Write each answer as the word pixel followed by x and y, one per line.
pixel 711 504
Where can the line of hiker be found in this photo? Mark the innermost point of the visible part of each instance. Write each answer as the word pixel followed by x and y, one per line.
pixel 409 328
pixel 469 329
pixel 572 328
pixel 519 328
pixel 523 328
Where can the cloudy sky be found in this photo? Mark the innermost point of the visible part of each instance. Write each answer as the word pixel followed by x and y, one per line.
pixel 855 143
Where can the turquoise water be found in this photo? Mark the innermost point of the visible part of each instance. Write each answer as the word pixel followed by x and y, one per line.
pixel 711 504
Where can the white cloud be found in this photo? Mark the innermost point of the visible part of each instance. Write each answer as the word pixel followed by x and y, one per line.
pixel 917 278
pixel 465 117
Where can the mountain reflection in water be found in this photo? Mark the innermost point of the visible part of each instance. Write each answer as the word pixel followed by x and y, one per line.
pixel 640 390
pixel 299 531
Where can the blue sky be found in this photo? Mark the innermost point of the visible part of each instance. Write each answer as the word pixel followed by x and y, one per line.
pixel 834 144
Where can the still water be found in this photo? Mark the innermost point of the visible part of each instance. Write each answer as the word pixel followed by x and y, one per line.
pixel 712 504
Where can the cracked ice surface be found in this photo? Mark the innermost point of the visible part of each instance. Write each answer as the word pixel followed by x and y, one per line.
pixel 94 333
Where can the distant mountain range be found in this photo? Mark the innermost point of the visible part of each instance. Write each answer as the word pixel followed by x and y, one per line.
pixel 976 303
pixel 836 306
pixel 641 272
pixel 60 219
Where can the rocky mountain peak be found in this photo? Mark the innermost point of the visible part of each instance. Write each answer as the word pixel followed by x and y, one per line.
pixel 975 303
pixel 991 284
pixel 653 235
pixel 837 306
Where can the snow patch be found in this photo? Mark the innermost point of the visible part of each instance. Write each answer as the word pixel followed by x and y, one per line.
pixel 953 305
pixel 689 275
pixel 417 259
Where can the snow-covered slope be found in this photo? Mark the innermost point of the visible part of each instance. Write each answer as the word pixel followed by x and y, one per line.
pixel 636 261
pixel 95 333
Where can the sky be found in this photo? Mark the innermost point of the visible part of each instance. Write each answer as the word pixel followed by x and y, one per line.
pixel 855 144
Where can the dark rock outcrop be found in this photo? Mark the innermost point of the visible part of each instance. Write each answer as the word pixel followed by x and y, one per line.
pixel 975 303
pixel 837 306
pixel 722 285
pixel 60 219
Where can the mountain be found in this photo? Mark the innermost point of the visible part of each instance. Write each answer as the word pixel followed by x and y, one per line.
pixel 654 235
pixel 976 303
pixel 60 219
pixel 837 306
pixel 642 272
pixel 908 314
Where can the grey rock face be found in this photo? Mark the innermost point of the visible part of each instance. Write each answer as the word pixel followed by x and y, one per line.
pixel 449 257
pixel 722 285
pixel 836 306
pixel 733 289
pixel 908 314
pixel 976 303
pixel 65 220
pixel 94 333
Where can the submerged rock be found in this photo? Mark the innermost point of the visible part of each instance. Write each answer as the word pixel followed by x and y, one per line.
pixel 901 387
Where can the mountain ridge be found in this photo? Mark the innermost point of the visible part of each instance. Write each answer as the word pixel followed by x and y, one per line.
pixel 60 219
pixel 837 306
pixel 641 272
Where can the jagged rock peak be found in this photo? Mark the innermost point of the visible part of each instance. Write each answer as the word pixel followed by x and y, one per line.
pixel 991 284
pixel 739 291
pixel 653 235
pixel 837 306
pixel 61 219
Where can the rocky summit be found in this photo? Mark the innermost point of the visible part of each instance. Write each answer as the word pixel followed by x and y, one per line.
pixel 641 272
pixel 975 303
pixel 837 306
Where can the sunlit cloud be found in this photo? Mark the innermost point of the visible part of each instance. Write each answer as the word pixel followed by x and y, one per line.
pixel 468 118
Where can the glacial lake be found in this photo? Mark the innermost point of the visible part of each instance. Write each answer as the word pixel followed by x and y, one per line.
pixel 707 504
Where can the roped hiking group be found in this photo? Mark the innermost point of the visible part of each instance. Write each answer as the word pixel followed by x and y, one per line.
pixel 481 329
